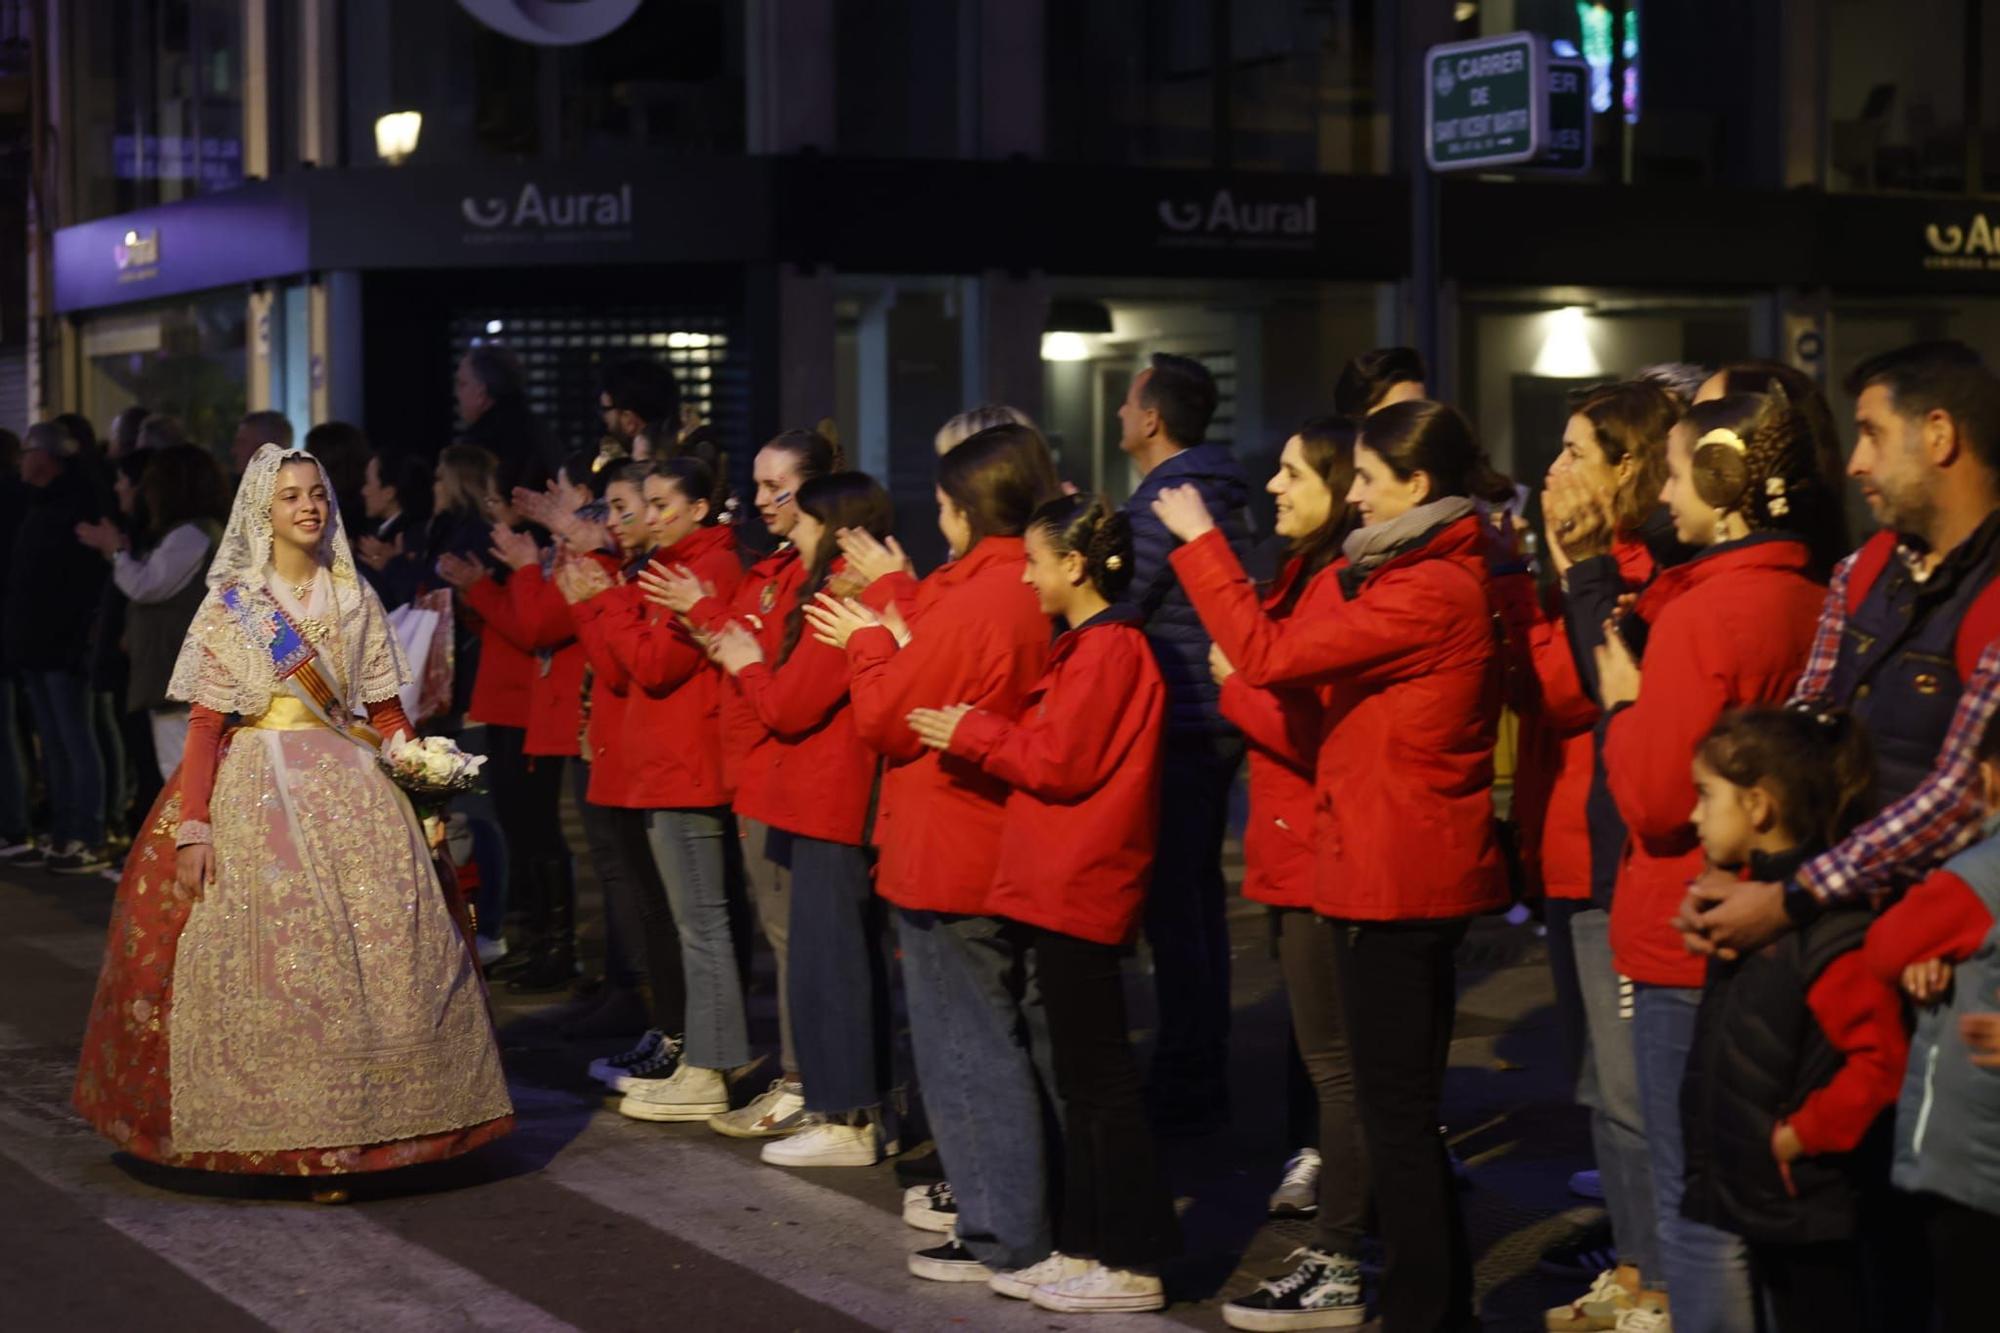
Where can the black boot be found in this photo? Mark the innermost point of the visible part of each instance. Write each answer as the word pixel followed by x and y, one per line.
pixel 554 963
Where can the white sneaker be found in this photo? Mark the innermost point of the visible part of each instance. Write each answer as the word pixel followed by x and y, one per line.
pixel 1644 1319
pixel 1100 1289
pixel 828 1143
pixel 931 1207
pixel 1297 1194
pixel 491 951
pixel 1020 1284
pixel 778 1110
pixel 693 1093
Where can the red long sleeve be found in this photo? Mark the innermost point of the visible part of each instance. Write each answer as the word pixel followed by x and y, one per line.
pixel 495 607
pixel 386 716
pixel 540 610
pixel 204 742
pixel 1940 918
pixel 1283 723
pixel 1863 1018
pixel 799 693
pixel 1065 749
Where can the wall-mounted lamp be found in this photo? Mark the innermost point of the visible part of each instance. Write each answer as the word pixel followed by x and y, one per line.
pixel 396 135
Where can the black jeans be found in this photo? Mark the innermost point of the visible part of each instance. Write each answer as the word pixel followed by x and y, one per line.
pixel 527 794
pixel 635 901
pixel 1570 1025
pixel 1115 1206
pixel 1812 1288
pixel 1400 982
pixel 624 939
pixel 1186 926
pixel 1311 965
pixel 1963 1241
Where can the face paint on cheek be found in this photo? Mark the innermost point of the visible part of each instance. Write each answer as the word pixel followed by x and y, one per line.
pixel 781 499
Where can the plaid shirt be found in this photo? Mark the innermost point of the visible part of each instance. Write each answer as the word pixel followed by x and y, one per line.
pixel 1940 818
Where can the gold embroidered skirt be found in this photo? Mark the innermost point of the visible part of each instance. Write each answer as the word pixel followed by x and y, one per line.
pixel 322 993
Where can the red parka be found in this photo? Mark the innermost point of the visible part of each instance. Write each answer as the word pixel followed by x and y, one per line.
pixel 1283 730
pixel 604 744
pixel 555 696
pixel 977 637
pixel 671 724
pixel 817 775
pixel 506 675
pixel 1409 662
pixel 1084 764
pixel 769 590
pixel 1730 627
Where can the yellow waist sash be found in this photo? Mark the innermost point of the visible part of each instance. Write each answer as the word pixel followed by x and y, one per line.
pixel 289 713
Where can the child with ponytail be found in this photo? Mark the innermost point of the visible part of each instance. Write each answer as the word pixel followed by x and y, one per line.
pixel 1798 1049
pixel 1083 762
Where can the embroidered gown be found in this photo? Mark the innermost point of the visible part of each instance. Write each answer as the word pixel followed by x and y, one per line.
pixel 317 1011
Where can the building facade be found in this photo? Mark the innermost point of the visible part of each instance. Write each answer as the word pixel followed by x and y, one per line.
pixel 881 211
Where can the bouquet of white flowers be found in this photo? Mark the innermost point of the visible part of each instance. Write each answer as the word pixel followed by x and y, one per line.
pixel 430 770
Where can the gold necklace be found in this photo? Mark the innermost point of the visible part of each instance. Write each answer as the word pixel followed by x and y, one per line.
pixel 301 591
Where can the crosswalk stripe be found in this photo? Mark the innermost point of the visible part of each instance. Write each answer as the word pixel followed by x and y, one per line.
pixel 814 1240
pixel 299 1269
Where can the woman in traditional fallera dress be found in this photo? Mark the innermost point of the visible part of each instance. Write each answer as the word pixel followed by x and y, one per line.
pixel 285 990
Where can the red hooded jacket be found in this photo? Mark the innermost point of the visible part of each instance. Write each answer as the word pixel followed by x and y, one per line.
pixel 1283 730
pixel 977 637
pixel 1410 666
pixel 1559 745
pixel 769 590
pixel 506 674
pixel 671 725
pixel 1730 627
pixel 555 696
pixel 817 776
pixel 1084 765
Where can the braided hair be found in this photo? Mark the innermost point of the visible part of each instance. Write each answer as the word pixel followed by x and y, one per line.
pixel 1092 527
pixel 1757 454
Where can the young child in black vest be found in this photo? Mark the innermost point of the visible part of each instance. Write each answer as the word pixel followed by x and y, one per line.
pixel 1798 1048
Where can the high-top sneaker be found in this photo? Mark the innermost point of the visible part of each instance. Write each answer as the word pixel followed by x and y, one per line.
pixel 654 1056
pixel 1324 1291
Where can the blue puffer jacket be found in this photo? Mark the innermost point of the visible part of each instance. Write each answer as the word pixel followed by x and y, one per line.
pixel 1180 644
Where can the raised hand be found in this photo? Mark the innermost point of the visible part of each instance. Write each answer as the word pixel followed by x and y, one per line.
pixel 735 648
pixel 936 726
pixel 833 620
pixel 458 571
pixel 869 559
pixel 675 587
pixel 580 580
pixel 516 550
pixel 102 537
pixel 1580 519
pixel 1184 512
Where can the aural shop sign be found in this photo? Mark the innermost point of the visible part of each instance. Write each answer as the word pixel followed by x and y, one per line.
pixel 541 214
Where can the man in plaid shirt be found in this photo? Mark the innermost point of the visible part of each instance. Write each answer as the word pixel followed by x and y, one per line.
pixel 1928 462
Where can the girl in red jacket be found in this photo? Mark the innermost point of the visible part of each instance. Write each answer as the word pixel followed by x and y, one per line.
pixel 1083 762
pixel 814 792
pixel 1730 627
pixel 675 775
pixel 1798 1048
pixel 977 636
pixel 1399 640
pixel 1282 726
pixel 781 470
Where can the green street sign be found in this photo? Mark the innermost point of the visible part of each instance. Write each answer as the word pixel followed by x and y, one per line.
pixel 1485 102
pixel 1567 145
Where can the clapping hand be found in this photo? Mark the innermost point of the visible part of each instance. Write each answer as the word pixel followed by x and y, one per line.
pixel 516 550
pixel 102 537
pixel 675 587
pixel 936 726
pixel 868 558
pixel 1184 512
pixel 833 620
pixel 458 571
pixel 579 580
pixel 735 648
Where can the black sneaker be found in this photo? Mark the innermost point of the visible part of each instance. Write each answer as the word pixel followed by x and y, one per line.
pixel 609 1069
pixel 949 1262
pixel 931 1207
pixel 1324 1291
pixel 76 859
pixel 661 1065
pixel 1582 1256
pixel 28 854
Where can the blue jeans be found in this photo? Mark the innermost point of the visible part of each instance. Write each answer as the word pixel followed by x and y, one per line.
pixel 839 989
pixel 1609 1086
pixel 687 847
pixel 13 769
pixel 974 1012
pixel 1707 1270
pixel 71 765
